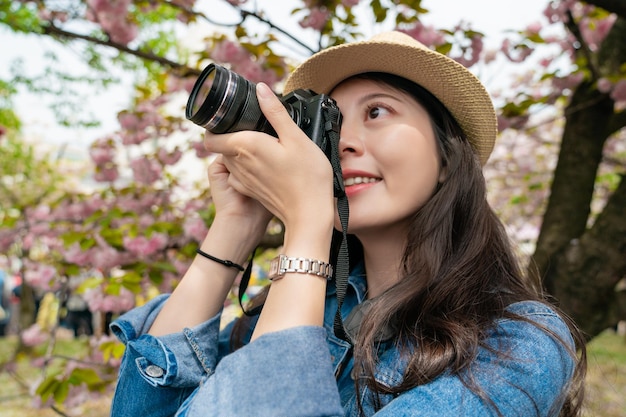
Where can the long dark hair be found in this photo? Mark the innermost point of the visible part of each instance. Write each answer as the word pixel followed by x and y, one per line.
pixel 459 274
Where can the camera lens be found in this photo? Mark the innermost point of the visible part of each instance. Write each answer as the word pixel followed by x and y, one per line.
pixel 201 94
pixel 222 101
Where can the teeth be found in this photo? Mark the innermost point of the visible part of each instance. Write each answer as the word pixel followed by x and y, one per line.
pixel 358 180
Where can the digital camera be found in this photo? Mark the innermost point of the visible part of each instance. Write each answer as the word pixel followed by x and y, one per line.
pixel 223 101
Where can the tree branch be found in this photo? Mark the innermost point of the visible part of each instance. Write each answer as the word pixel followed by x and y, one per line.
pixel 180 69
pixel 572 26
pixel 244 15
pixel 278 29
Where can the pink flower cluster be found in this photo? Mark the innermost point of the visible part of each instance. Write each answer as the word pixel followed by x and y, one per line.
pixel 243 63
pixel 349 3
pixel 316 19
pixel 101 256
pixel 200 150
pixel 102 153
pixel 515 52
pixel 146 170
pixel 142 246
pixel 42 276
pixel 427 35
pixel 34 336
pixel 195 228
pixel 112 16
pixel 97 300
pixel 169 158
pixel 616 90
pixel 143 123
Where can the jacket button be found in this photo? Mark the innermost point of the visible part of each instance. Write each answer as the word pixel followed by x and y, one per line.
pixel 154 371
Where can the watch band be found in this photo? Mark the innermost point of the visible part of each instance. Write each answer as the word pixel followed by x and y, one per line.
pixel 282 264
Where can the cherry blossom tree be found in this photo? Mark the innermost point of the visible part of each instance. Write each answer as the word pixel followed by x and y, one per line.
pixel 128 228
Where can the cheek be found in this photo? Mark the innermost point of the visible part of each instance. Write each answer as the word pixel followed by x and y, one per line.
pixel 412 167
pixel 412 152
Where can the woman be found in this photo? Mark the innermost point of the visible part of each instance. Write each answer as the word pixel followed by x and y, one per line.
pixel 442 322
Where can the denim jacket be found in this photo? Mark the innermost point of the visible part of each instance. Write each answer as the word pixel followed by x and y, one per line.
pixel 307 371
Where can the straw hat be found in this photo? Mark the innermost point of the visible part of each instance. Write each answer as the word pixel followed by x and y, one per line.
pixel 399 54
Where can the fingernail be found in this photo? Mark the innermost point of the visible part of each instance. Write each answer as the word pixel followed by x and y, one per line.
pixel 263 90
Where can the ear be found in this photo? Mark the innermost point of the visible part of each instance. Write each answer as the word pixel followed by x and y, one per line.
pixel 443 172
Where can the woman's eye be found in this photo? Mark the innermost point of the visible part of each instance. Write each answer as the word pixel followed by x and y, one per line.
pixel 376 111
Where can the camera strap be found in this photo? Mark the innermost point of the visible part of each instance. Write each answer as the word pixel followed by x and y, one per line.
pixel 332 130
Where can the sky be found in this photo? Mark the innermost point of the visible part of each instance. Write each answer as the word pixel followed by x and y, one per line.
pixel 492 17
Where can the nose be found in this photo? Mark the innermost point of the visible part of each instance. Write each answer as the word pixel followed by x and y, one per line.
pixel 351 141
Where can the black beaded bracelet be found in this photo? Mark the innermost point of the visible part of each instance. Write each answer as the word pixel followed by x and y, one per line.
pixel 226 262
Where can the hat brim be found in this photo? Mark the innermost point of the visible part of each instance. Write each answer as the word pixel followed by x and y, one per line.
pixel 460 91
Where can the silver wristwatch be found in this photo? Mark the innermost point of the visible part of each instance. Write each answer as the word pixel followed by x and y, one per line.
pixel 282 264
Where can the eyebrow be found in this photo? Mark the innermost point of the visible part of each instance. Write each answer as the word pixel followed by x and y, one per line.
pixel 373 96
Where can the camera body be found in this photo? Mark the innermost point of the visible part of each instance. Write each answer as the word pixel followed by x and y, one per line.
pixel 315 114
pixel 222 101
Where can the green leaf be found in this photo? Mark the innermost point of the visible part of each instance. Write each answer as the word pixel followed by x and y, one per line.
pixel 84 375
pixel 61 392
pixel 89 283
pixel 112 349
pixel 47 387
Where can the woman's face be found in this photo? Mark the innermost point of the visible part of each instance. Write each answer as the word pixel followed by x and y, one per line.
pixel 389 155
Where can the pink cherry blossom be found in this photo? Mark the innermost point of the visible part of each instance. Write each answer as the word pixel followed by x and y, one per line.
pixel 349 3
pixel 515 53
pixel 7 238
pixel 471 54
pixel 142 246
pixel 108 173
pixel 145 170
pixel 619 91
pixel 533 28
pixel 41 276
pixel 201 151
pixel 97 300
pixel 41 229
pixel 102 151
pixel 105 257
pixel 316 19
pixel 169 158
pixel 250 70
pixel 74 254
pixel 427 35
pixel 34 336
pixel 195 229
pixel 40 213
pixel 567 83
pixel 594 31
pixel 229 51
pixel 127 120
pixel 490 56
pixel 112 16
pixel 604 85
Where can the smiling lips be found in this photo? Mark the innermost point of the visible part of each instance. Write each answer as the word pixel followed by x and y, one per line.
pixel 359 180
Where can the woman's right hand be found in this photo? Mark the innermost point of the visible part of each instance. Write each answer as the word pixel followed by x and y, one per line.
pixel 240 223
pixel 231 205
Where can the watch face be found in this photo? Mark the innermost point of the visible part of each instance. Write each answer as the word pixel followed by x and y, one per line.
pixel 275 267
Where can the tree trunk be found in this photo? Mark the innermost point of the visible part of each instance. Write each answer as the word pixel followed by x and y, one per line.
pixel 581 260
